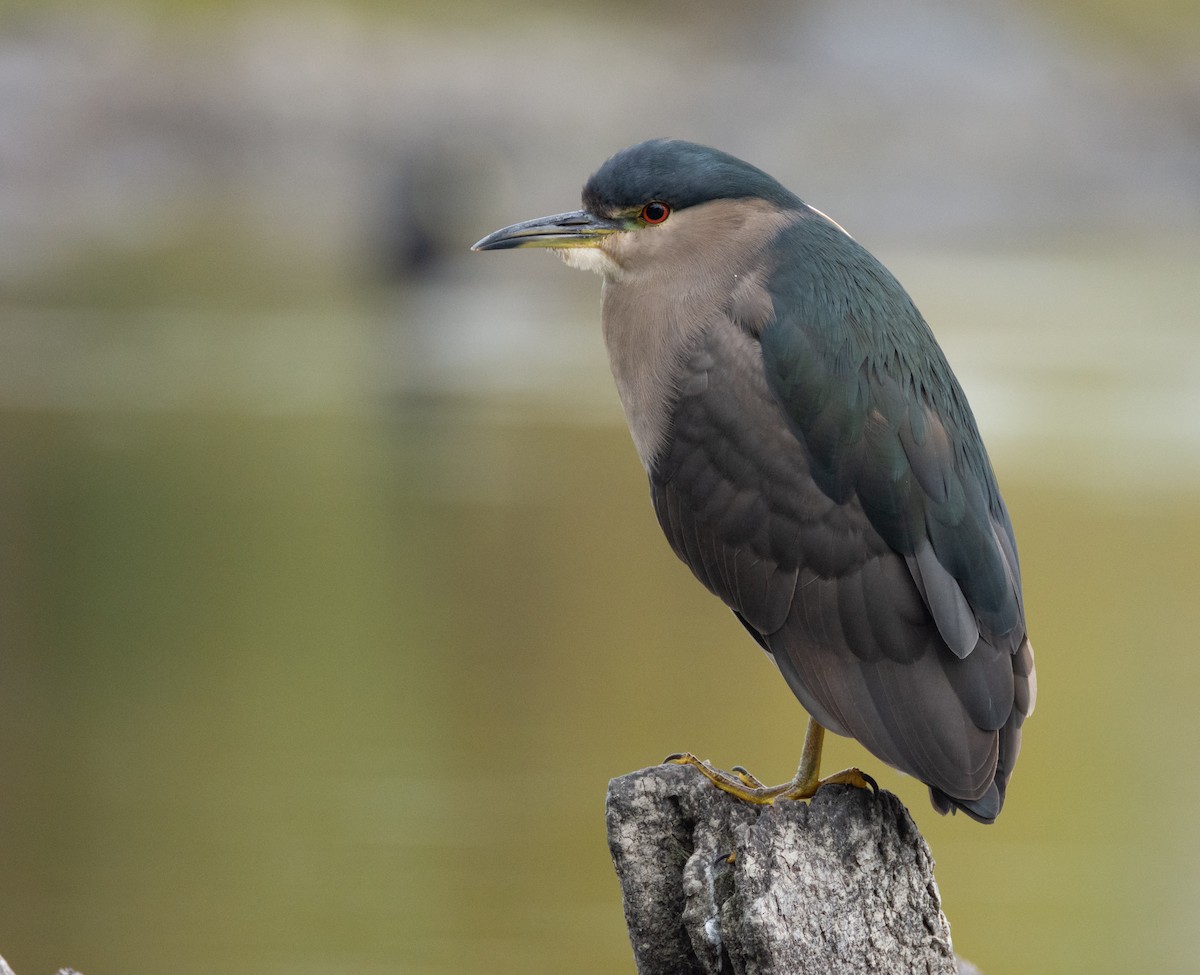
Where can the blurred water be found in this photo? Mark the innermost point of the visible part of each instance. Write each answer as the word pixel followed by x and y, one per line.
pixel 311 666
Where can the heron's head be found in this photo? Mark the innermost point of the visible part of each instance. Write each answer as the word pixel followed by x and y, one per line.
pixel 653 204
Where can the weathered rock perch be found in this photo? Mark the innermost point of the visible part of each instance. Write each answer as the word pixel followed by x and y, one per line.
pixel 841 884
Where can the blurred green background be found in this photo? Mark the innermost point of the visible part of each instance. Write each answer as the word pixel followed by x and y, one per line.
pixel 330 593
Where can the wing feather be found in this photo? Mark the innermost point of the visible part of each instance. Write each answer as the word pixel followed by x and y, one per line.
pixel 823 476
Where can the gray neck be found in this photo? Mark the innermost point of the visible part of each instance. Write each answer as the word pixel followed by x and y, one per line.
pixel 660 304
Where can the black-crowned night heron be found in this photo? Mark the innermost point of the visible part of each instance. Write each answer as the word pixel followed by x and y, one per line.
pixel 813 460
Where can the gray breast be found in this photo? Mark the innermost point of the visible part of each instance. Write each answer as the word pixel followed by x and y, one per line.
pixel 661 311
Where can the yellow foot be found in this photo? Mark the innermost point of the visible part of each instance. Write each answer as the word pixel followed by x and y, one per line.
pixel 748 788
pixel 753 781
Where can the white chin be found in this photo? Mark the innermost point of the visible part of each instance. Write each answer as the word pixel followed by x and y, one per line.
pixel 587 259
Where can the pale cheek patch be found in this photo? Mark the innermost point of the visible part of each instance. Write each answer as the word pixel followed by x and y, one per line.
pixel 588 259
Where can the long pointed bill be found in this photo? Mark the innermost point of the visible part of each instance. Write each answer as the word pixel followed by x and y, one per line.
pixel 576 229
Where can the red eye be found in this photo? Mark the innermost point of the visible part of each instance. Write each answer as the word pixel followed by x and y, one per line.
pixel 655 212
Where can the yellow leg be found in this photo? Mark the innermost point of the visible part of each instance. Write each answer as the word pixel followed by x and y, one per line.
pixel 748 788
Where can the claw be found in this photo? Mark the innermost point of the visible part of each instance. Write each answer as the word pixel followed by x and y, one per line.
pixel 748 778
pixel 747 787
